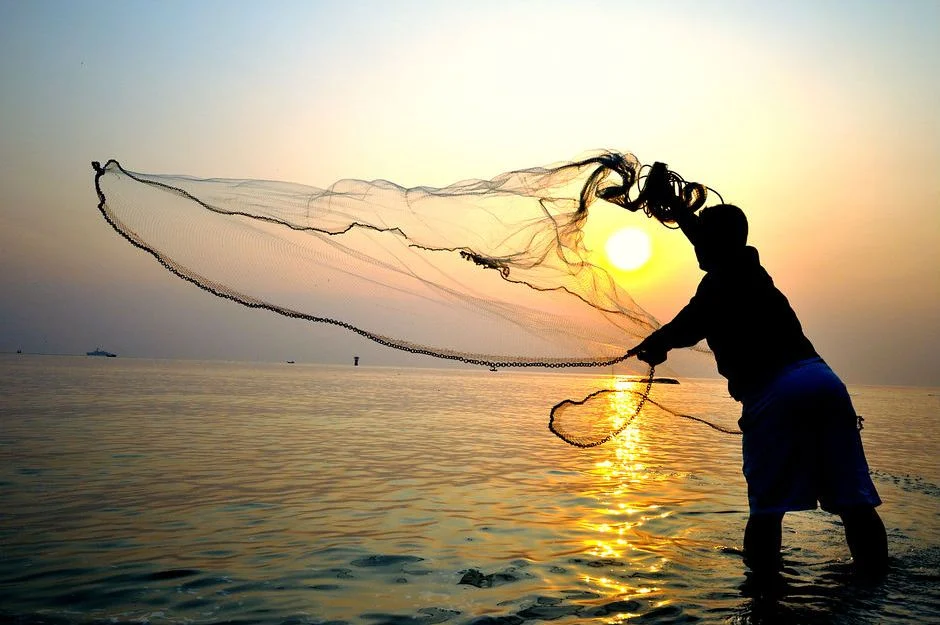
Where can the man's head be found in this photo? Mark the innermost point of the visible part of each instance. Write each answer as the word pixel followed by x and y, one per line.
pixel 721 234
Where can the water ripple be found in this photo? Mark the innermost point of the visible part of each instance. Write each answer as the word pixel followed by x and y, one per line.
pixel 168 492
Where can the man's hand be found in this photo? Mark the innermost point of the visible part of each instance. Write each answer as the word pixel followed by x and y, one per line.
pixel 652 357
pixel 652 351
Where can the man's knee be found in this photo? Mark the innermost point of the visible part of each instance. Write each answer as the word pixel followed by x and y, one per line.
pixel 760 525
pixel 765 518
pixel 862 520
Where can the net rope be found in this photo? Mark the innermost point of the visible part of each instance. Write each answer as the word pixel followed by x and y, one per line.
pixel 492 272
pixel 595 420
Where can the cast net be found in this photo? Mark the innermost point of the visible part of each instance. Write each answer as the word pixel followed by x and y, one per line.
pixel 487 272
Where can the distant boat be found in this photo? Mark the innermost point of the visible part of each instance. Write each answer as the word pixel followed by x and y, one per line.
pixel 100 352
pixel 655 380
pixel 290 362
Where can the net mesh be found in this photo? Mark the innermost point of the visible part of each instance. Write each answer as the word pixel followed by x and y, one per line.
pixel 487 272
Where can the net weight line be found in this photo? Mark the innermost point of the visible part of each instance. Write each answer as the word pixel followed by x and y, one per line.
pixel 585 442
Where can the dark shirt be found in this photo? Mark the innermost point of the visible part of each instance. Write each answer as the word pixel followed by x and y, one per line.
pixel 747 322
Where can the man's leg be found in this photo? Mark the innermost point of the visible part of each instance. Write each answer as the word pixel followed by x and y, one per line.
pixel 762 538
pixel 867 539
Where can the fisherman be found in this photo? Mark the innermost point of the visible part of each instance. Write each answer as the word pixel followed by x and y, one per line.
pixel 801 443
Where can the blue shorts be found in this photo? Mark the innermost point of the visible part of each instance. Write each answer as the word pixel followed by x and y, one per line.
pixel 802 445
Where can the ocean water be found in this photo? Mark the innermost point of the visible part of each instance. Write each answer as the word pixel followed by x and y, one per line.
pixel 203 492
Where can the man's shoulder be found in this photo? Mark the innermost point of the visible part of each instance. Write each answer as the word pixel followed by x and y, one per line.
pixel 746 274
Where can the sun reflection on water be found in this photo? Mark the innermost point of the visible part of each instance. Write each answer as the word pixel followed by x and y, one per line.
pixel 618 544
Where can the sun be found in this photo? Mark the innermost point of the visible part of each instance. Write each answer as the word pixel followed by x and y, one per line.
pixel 628 249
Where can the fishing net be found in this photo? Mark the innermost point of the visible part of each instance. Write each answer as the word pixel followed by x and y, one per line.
pixel 487 272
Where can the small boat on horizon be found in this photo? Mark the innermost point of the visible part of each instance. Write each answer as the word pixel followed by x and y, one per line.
pixel 100 352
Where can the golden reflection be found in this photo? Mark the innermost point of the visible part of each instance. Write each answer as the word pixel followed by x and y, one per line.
pixel 623 486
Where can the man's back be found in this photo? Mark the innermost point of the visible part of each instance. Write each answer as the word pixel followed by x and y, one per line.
pixel 749 324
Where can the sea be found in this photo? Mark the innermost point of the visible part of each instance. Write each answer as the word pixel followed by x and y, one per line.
pixel 160 491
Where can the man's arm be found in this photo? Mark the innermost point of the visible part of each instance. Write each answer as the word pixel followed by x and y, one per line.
pixel 686 329
pixel 686 220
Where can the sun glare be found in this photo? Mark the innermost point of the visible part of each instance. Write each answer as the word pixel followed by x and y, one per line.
pixel 628 249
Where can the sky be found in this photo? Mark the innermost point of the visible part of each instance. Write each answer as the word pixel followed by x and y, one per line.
pixel 818 118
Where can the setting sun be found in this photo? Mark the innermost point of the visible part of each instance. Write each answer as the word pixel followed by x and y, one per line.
pixel 628 249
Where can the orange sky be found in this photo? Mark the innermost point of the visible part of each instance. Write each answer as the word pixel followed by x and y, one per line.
pixel 820 123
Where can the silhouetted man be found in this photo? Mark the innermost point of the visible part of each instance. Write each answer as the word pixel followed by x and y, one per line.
pixel 801 443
